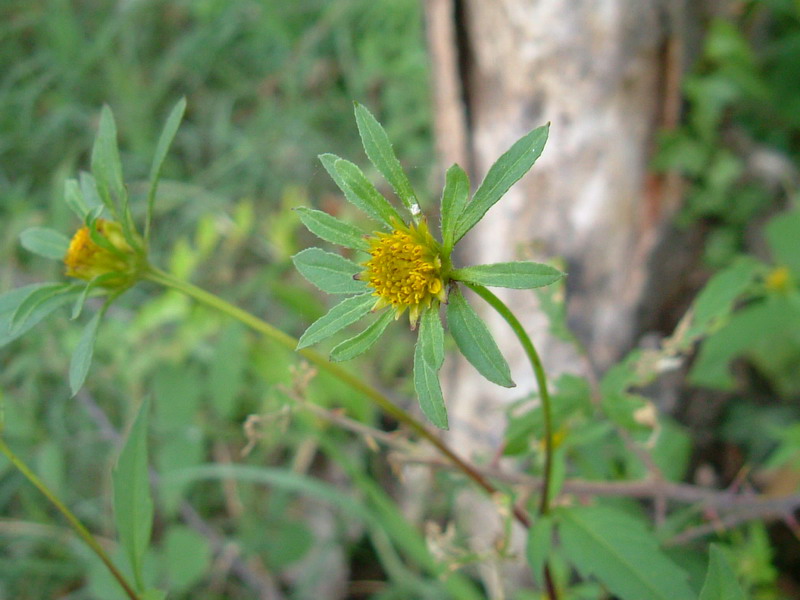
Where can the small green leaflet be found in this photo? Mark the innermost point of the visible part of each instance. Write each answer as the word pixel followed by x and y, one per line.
pixel 621 553
pixel 362 342
pixel 45 242
pixel 331 229
pixel 82 357
pixel 508 169
pixel 517 275
pixel 475 341
pixel 106 165
pixel 379 151
pixel 133 504
pixel 454 199
pixel 428 359
pixel 340 316
pixel 328 271
pixel 371 200
pixel 329 161
pixel 721 583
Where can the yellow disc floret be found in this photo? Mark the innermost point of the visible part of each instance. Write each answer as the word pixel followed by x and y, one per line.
pixel 405 270
pixel 87 260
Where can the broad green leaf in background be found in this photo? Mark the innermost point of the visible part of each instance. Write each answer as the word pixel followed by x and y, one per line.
pixel 330 272
pixel 82 356
pixel 428 359
pixel 538 549
pixel 106 165
pixel 370 199
pixel 508 169
pixel 475 341
pixel 331 229
pixel 783 236
pixel 454 198
pixel 45 242
pixel 153 594
pixel 187 557
pixel 621 553
pixel 380 153
pixel 340 316
pixel 227 370
pixel 133 504
pixel 164 142
pixel 721 583
pixel 362 342
pixel 517 275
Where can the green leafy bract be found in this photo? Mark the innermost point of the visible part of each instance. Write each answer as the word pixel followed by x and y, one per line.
pixel 45 242
pixel 328 271
pixel 370 199
pixel 377 214
pixel 82 357
pixel 362 342
pixel 428 359
pixel 475 341
pixel 331 229
pixel 340 316
pixel 517 275
pixel 454 198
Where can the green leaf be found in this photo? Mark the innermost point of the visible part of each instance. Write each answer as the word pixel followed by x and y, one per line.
pixel 517 275
pixel 28 305
pixel 508 169
pixel 370 200
pixel 362 342
pixel 454 199
pixel 783 236
pixel 187 557
pixel 227 371
pixel 133 504
pixel 328 271
pixel 45 242
pixel 164 142
pixel 329 161
pixel 73 197
pixel 538 549
pixel 340 316
pixel 331 229
pixel 106 165
pixel 10 301
pixel 428 359
pixel 475 341
pixel 380 153
pixel 721 583
pixel 621 553
pixel 82 357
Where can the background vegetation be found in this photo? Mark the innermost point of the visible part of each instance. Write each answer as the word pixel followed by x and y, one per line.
pixel 269 86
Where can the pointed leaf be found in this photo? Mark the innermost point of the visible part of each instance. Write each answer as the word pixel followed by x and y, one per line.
pixel 621 553
pixel 45 242
pixel 362 342
pixel 329 161
pixel 508 169
pixel 32 301
pixel 454 199
pixel 82 357
pixel 331 229
pixel 540 542
pixel 428 358
pixel 517 275
pixel 379 150
pixel 106 165
pixel 74 198
pixel 340 316
pixel 328 271
pixel 475 341
pixel 721 583
pixel 164 142
pixel 369 198
pixel 133 504
pixel 10 302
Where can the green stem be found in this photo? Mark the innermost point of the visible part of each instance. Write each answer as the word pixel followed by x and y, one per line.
pixel 541 380
pixel 390 408
pixel 79 528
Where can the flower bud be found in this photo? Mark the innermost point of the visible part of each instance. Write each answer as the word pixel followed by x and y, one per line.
pixel 117 259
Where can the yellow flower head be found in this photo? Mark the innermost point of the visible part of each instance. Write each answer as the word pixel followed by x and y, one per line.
pixel 86 259
pixel 779 280
pixel 405 270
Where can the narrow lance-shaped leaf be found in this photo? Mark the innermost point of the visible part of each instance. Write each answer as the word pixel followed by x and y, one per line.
pixel 720 583
pixel 329 161
pixel 372 201
pixel 475 341
pixel 428 358
pixel 540 542
pixel 454 199
pixel 331 229
pixel 617 549
pixel 380 153
pixel 82 356
pixel 45 242
pixel 340 316
pixel 164 142
pixel 362 342
pixel 133 504
pixel 516 275
pixel 508 169
pixel 106 165
pixel 32 301
pixel 10 301
pixel 328 271
pixel 74 198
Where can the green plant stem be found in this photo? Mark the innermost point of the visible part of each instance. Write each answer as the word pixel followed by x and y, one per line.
pixel 544 395
pixel 390 408
pixel 79 528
